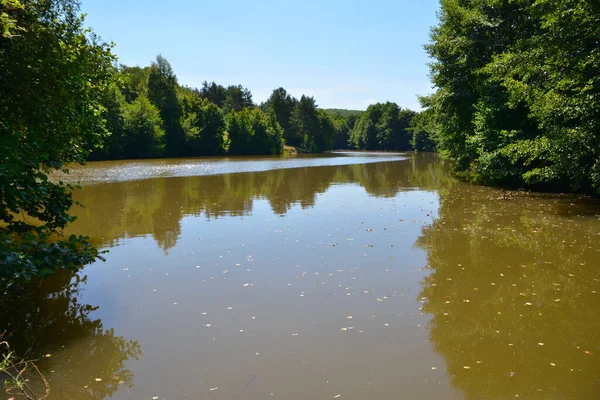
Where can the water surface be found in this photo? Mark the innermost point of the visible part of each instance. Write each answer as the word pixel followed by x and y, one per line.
pixel 364 277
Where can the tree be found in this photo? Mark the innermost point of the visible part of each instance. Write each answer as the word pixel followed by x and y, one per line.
pixel 423 131
pixel 203 124
pixel 382 127
pixel 113 103
pixel 344 121
pixel 214 93
pixel 517 100
pixel 133 82
pixel 54 75
pixel 323 141
pixel 142 130
pixel 305 121
pixel 162 92
pixel 236 99
pixel 282 104
pixel 251 131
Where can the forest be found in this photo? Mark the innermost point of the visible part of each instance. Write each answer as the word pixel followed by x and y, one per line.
pixel 518 92
pixel 149 114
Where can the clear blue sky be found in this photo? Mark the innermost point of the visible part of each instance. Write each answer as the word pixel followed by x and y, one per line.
pixel 347 54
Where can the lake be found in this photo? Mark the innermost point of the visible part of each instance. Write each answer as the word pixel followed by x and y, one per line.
pixel 350 276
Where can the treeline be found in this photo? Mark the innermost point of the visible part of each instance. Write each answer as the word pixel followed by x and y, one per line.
pixel 149 114
pixel 519 92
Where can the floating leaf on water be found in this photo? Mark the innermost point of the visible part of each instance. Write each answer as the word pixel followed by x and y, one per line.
pixel 466 367
pixel 154 397
pixel 48 355
pixel 433 368
pixel 541 344
pixel 213 389
pixel 527 304
pixel 97 379
pixel 589 353
pixel 554 365
pixel 336 396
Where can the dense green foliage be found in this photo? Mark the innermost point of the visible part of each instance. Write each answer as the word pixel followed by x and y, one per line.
pixel 382 127
pixel 162 92
pixel 519 91
pixel 344 121
pixel 312 126
pixel 212 120
pixel 54 75
pixel 342 113
pixel 252 132
pixel 203 124
pixel 423 127
pixel 282 104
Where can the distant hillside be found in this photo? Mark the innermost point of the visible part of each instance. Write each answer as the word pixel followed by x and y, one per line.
pixel 338 112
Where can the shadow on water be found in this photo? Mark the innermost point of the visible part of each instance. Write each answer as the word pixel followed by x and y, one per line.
pixel 44 319
pixel 514 293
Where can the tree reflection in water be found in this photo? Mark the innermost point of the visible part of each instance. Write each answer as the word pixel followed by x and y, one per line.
pixel 45 319
pixel 513 294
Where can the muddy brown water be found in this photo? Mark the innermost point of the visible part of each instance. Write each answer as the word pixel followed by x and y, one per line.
pixel 343 276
